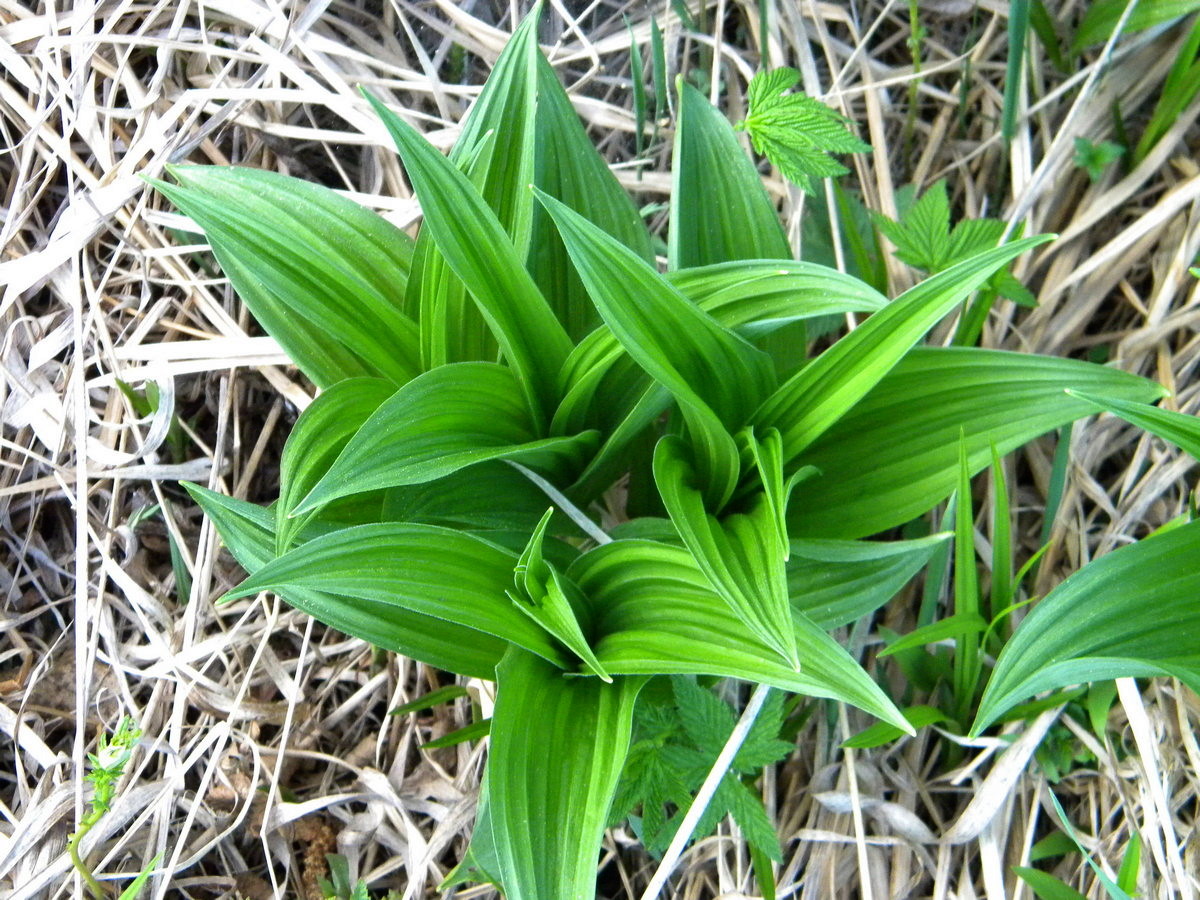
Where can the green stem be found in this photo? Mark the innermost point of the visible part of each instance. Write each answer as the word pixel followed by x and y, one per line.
pixel 84 870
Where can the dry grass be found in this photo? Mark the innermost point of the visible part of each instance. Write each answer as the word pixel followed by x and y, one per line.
pixel 266 737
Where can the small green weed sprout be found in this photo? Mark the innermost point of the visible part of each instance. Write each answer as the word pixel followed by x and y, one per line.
pixel 107 766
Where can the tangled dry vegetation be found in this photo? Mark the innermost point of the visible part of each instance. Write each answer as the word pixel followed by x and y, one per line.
pixel 267 741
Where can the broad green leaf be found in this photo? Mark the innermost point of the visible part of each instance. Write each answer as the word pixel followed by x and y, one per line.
pixel 249 533
pixel 429 570
pixel 568 168
pixel 656 613
pixel 719 208
pixel 824 390
pixel 952 627
pixel 324 276
pixel 557 748
pixel 1130 613
pixel 742 554
pixel 486 496
pixel 894 455
pixel 543 594
pixel 453 416
pixel 838 582
pixel 1102 17
pixel 315 442
pixel 474 243
pixel 479 862
pixel 714 375
pixel 1179 428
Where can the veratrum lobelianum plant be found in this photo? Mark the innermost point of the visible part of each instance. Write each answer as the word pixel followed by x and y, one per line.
pixel 523 360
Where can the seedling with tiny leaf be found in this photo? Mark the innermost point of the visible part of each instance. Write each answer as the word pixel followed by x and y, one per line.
pixel 523 369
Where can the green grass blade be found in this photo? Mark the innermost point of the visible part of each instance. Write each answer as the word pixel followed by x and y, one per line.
pixel 1001 594
pixel 824 390
pixel 557 748
pixel 454 416
pixel 917 412
pixel 324 276
pixel 719 208
pixel 421 568
pixel 1130 613
pixel 1018 30
pixel 249 533
pixel 1045 886
pixel 1102 17
pixel 966 590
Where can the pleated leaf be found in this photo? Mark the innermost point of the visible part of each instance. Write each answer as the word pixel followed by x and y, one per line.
pixel 838 582
pixel 451 417
pixel 720 210
pixel 249 533
pixel 421 568
pixel 557 749
pixel 496 149
pixel 742 554
pixel 1130 613
pixel 894 455
pixel 568 167
pixel 324 276
pixel 823 391
pixel 656 613
pixel 475 245
pixel 1179 428
pixel 714 375
pixel 317 438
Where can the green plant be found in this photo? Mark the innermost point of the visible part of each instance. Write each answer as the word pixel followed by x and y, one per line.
pixel 522 368
pixel 1095 158
pixel 106 766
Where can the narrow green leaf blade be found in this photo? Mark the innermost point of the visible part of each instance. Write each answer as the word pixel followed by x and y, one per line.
pixel 557 748
pixel 838 582
pixel 1179 428
pixel 823 391
pixel 248 532
pixel 451 417
pixel 322 274
pixel 1130 613
pixel 429 570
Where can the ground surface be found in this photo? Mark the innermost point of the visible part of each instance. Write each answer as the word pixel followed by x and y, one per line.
pixel 249 707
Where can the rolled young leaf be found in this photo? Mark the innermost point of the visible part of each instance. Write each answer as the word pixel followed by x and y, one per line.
pixel 422 568
pixel 894 455
pixel 1130 613
pixel 324 276
pixel 248 532
pixel 557 748
pixel 451 417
